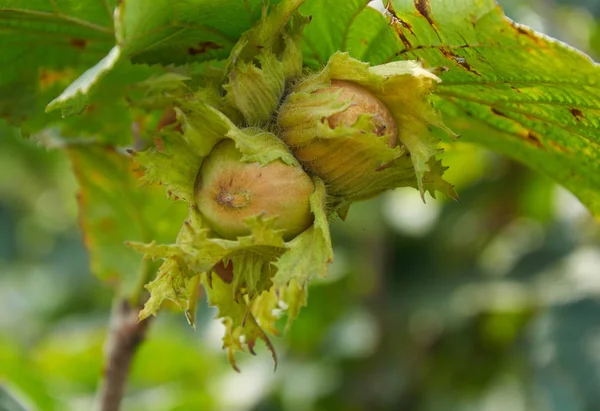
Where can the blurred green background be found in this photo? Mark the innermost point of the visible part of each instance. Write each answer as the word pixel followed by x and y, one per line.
pixel 490 304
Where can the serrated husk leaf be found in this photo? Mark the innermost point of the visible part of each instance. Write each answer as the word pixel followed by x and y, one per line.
pixel 253 279
pixel 270 276
pixel 241 328
pixel 264 58
pixel 255 91
pixel 310 253
pixel 173 283
pixel 175 159
pixel 353 160
pixel 196 253
pixel 172 164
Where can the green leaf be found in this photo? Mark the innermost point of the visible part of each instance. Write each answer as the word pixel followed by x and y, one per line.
pixel 114 208
pixel 180 31
pixel 77 93
pixel 506 87
pixel 327 32
pixel 45 45
pixel 21 373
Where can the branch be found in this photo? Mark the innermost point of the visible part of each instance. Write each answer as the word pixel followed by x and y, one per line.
pixel 125 335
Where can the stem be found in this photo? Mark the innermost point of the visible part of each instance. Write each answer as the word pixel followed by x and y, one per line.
pixel 125 335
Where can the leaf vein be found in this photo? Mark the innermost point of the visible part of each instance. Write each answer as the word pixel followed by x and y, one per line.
pixel 65 18
pixel 547 120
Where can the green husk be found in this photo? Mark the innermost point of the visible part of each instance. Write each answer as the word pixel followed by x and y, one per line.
pixel 354 162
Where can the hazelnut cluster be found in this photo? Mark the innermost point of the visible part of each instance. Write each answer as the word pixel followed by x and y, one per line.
pixel 266 154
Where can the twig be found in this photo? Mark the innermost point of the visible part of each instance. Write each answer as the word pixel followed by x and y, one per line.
pixel 125 335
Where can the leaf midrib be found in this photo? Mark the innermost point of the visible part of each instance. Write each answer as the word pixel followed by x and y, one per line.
pixel 61 17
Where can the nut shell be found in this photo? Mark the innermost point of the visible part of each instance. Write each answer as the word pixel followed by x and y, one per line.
pixel 228 191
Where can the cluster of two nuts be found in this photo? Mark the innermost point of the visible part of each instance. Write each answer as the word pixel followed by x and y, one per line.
pixel 229 191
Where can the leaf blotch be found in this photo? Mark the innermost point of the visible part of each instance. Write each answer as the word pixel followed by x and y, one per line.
pixel 50 77
pixel 532 137
pixel 523 31
pixel 498 112
pixel 78 43
pixel 203 47
pixel 424 9
pixel 461 61
pixel 578 114
pixel 397 19
pixel 402 36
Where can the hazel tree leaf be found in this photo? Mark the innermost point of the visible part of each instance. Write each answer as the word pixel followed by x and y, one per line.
pixel 77 92
pixel 180 31
pixel 114 208
pixel 327 32
pixel 103 84
pixel 46 45
pixel 506 87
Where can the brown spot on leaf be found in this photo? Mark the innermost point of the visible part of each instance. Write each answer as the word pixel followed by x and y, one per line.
pixel 461 61
pixel 78 43
pixel 50 77
pixel 515 89
pixel 402 36
pixel 523 31
pixel 498 112
pixel 203 47
pixel 397 19
pixel 532 137
pixel 424 9
pixel 578 114
pixel 364 42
